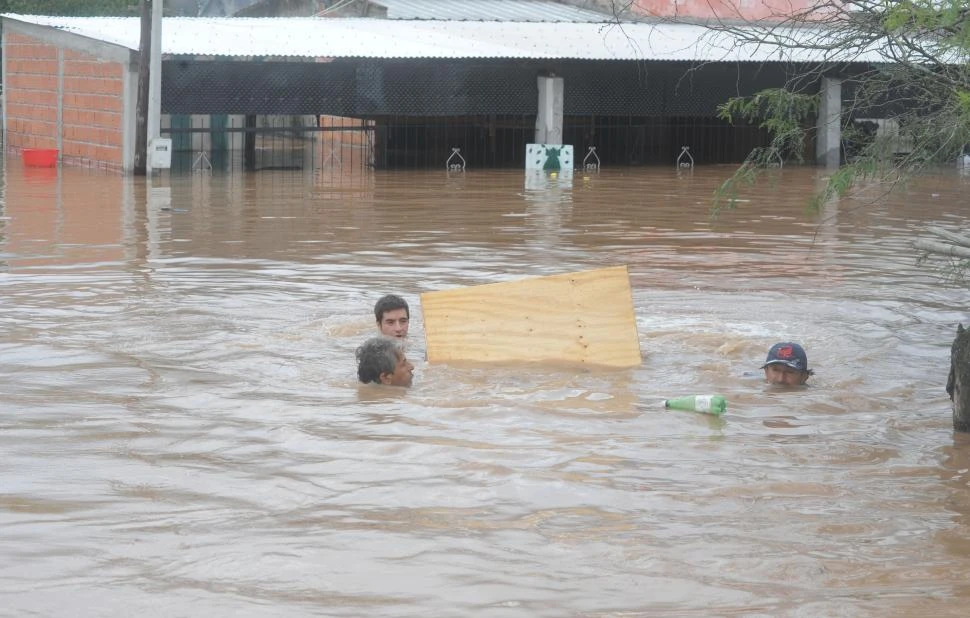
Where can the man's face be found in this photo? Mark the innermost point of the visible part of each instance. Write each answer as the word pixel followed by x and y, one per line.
pixel 394 323
pixel 783 374
pixel 403 373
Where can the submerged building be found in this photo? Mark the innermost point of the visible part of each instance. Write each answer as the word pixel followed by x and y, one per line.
pixel 389 93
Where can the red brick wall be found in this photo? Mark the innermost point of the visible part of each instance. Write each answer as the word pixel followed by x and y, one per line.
pixel 31 92
pixel 93 108
pixel 92 105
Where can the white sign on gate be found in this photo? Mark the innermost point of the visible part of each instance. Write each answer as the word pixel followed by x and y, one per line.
pixel 549 157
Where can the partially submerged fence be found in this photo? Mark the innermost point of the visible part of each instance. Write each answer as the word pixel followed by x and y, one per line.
pixel 223 143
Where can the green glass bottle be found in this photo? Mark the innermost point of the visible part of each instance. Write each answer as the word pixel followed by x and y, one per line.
pixel 707 404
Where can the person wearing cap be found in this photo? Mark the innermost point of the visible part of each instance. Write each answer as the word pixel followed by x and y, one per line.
pixel 787 364
pixel 393 316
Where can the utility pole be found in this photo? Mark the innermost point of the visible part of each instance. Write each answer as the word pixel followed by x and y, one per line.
pixel 141 105
pixel 154 84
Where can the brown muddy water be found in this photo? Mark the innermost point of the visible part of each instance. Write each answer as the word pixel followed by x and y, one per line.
pixel 181 433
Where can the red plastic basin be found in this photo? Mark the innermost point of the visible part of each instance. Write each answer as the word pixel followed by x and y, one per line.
pixel 40 157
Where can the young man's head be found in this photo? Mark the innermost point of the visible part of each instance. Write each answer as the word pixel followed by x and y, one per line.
pixel 393 316
pixel 787 364
pixel 381 360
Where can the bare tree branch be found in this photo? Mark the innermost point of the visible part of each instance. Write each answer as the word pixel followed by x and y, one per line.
pixel 941 249
pixel 957 239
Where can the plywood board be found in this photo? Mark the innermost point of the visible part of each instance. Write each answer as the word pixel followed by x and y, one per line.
pixel 583 317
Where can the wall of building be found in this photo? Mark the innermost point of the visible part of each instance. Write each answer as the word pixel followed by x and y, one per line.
pixel 30 88
pixel 723 9
pixel 699 10
pixel 93 120
pixel 66 97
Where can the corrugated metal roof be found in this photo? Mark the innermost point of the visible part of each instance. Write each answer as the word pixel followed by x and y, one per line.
pixel 309 37
pixel 489 10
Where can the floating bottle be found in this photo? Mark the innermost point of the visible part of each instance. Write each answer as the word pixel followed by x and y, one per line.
pixel 707 404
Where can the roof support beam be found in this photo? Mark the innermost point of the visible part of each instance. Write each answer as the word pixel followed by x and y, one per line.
pixel 549 110
pixel 827 146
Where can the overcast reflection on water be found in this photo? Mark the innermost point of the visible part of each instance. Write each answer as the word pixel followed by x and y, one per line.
pixel 181 432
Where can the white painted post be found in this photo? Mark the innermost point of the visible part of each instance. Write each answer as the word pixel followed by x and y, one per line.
pixel 155 83
pixel 3 80
pixel 829 123
pixel 60 103
pixel 549 110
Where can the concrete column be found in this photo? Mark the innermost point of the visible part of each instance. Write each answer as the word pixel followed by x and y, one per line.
pixel 60 103
pixel 3 80
pixel 129 115
pixel 549 115
pixel 829 123
pixel 155 82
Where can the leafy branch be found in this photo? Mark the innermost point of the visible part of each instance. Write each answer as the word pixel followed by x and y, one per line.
pixel 783 114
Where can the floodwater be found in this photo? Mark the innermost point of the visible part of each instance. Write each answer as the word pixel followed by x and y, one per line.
pixel 181 433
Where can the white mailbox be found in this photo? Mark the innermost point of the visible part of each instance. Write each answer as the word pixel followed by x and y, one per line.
pixel 161 153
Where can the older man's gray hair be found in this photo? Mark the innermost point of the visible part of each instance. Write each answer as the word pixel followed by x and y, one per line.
pixel 377 356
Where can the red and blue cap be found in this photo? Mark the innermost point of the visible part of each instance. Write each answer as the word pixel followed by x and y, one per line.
pixel 789 354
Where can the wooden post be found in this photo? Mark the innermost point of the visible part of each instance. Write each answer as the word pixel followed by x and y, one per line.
pixel 141 105
pixel 958 383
